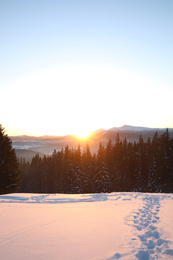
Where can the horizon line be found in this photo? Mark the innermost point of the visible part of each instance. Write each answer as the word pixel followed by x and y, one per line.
pixel 75 135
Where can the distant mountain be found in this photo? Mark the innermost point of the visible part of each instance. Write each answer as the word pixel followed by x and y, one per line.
pixel 28 146
pixel 136 128
pixel 132 133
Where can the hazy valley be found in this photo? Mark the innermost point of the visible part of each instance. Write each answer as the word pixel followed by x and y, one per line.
pixel 27 146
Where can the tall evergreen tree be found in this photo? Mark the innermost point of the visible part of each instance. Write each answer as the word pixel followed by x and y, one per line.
pixel 109 159
pixel 57 170
pixel 9 170
pixel 142 165
pixel 117 159
pixel 102 178
pixel 67 170
pixel 77 175
pixel 35 174
pixel 88 168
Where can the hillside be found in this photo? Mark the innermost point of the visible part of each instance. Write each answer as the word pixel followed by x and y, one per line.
pixel 27 154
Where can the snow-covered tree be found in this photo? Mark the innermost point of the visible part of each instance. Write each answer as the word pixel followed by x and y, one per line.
pixel 102 179
pixel 9 172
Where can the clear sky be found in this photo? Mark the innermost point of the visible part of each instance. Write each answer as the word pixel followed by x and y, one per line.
pixel 70 67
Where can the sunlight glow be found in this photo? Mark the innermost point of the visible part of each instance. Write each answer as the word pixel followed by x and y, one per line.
pixel 80 99
pixel 71 67
pixel 82 135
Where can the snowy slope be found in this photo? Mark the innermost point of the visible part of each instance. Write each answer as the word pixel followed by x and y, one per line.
pixel 86 227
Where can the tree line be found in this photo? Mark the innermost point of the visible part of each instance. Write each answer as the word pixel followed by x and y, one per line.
pixel 119 166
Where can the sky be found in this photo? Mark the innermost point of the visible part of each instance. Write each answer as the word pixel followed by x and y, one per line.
pixel 71 67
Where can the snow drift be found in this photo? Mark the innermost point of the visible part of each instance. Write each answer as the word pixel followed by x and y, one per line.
pixel 86 226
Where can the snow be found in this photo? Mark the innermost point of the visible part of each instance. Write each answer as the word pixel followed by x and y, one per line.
pixel 86 226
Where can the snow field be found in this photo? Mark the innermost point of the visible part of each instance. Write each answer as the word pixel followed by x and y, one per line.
pixel 86 226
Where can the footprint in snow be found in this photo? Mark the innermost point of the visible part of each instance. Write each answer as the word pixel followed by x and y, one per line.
pixel 145 221
pixel 143 255
pixel 115 256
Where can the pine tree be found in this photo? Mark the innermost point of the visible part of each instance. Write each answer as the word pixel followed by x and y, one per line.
pixel 57 170
pixel 87 166
pixel 117 150
pixel 142 165
pixel 24 168
pixel 76 174
pixel 102 179
pixel 9 171
pixel 149 165
pixel 165 163
pixel 155 162
pixel 109 159
pixel 35 174
pixel 66 170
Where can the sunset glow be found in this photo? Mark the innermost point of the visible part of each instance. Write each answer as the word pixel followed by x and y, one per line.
pixel 87 66
pixel 82 135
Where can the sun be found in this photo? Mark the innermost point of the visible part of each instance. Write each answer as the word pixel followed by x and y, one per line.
pixel 82 135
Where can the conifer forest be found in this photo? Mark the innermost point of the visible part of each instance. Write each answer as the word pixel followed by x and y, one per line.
pixel 119 166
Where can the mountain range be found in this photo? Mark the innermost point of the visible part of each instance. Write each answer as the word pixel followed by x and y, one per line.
pixel 27 146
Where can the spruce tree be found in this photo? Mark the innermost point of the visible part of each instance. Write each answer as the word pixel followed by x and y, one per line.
pixel 102 179
pixel 9 171
pixel 88 169
pixel 35 174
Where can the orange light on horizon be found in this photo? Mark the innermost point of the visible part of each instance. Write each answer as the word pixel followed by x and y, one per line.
pixel 83 135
